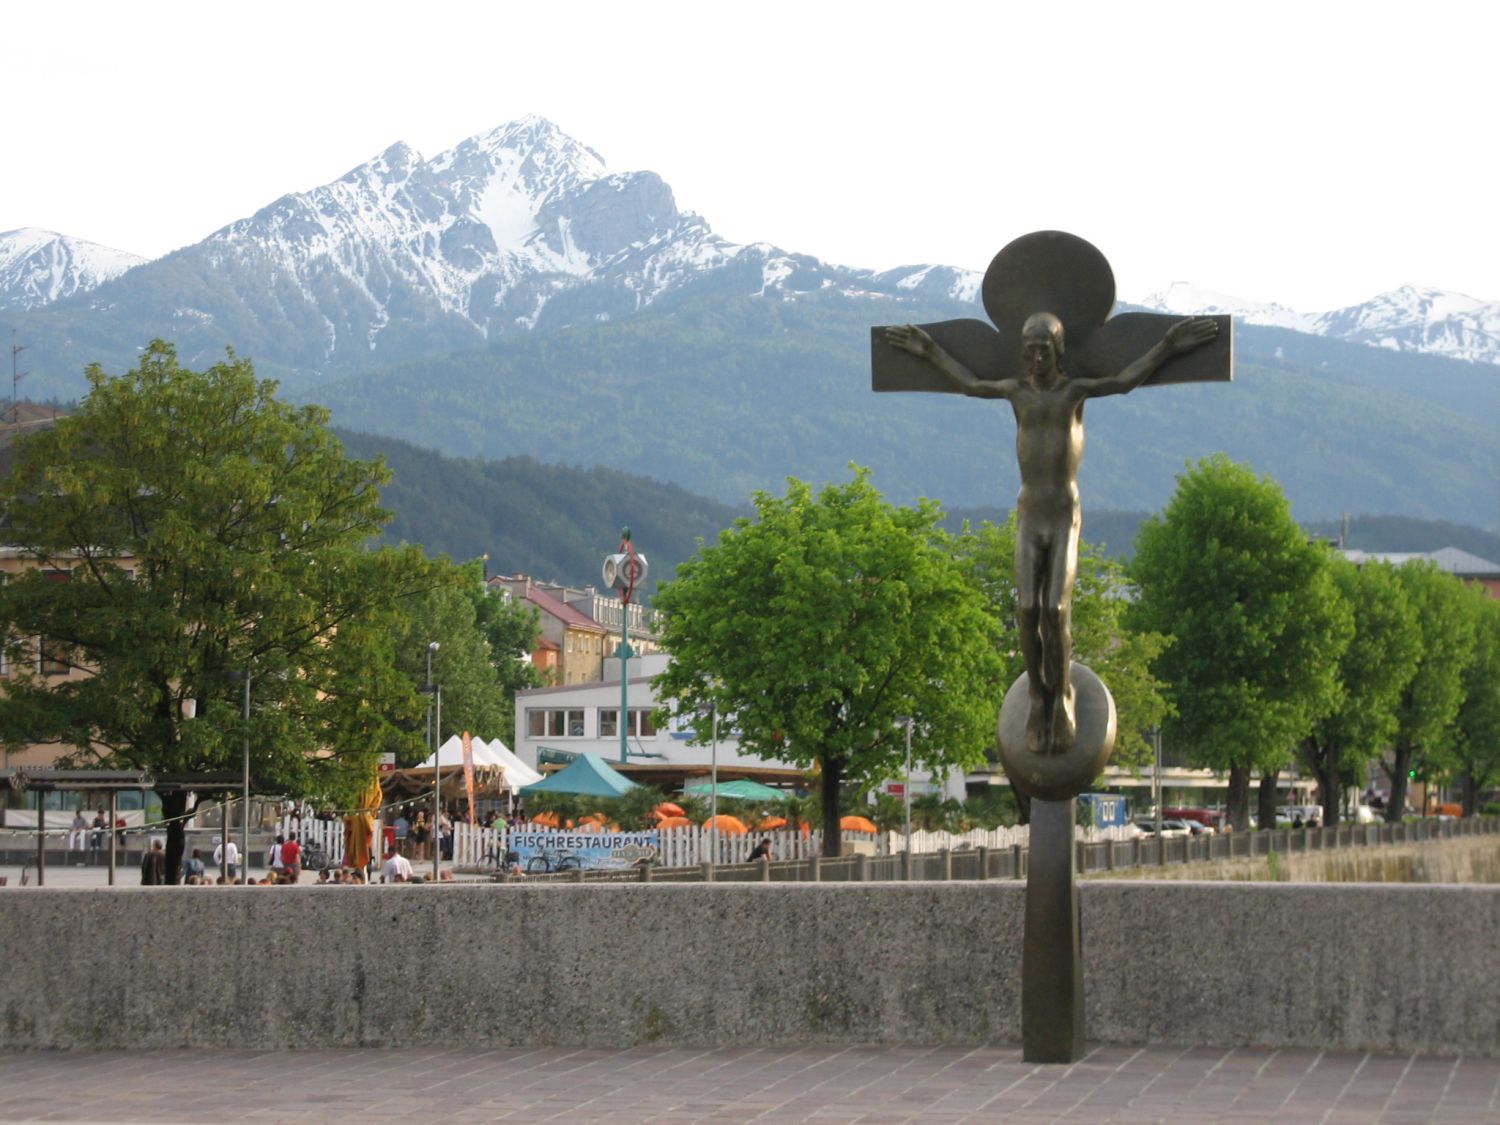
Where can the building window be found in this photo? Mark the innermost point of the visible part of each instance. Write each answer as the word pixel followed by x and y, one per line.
pixel 553 723
pixel 52 657
pixel 640 724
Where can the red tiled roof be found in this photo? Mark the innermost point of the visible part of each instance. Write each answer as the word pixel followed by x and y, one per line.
pixel 563 612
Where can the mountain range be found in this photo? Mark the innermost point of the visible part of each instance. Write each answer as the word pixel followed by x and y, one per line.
pixel 514 297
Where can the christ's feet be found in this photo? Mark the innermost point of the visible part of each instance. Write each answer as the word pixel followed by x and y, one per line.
pixel 1063 728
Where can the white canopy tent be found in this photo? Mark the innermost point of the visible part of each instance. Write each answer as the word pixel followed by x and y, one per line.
pixel 450 755
pixel 517 772
pixel 488 756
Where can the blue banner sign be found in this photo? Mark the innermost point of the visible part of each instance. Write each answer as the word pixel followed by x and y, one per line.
pixel 568 850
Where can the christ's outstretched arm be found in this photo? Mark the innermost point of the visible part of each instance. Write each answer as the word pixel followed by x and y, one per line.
pixel 1182 337
pixel 910 338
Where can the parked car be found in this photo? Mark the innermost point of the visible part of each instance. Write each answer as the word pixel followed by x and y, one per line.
pixel 1201 822
pixel 1170 826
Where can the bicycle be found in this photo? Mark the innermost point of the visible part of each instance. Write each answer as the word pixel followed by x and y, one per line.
pixel 314 856
pixel 554 860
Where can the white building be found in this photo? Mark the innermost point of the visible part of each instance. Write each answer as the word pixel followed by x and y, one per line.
pixel 554 723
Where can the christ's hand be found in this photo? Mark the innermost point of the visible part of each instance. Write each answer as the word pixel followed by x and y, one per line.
pixel 910 338
pixel 1186 335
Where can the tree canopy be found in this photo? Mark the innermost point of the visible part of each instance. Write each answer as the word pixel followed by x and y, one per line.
pixel 825 619
pixel 186 526
pixel 1433 694
pixel 1472 756
pixel 1374 669
pixel 484 641
pixel 1257 626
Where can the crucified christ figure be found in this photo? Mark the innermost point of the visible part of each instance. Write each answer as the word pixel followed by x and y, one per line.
pixel 1048 407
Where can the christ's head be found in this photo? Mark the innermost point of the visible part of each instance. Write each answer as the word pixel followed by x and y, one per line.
pixel 1041 344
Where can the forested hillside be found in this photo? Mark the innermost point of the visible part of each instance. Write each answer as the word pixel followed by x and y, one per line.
pixel 550 521
pixel 558 522
pixel 728 395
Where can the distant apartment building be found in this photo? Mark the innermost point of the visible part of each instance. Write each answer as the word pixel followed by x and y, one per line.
pixel 1461 564
pixel 579 627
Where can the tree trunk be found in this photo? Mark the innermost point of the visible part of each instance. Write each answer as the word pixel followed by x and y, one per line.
pixel 1395 808
pixel 1265 803
pixel 1469 793
pixel 1237 799
pixel 173 808
pixel 1330 785
pixel 833 777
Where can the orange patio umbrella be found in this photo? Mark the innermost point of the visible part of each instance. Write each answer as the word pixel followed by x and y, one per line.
pixel 668 808
pixel 359 825
pixel 770 822
pixel 675 822
pixel 857 824
pixel 545 819
pixel 728 825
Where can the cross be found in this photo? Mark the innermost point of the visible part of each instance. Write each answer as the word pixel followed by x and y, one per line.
pixel 1049 271
pixel 1053 345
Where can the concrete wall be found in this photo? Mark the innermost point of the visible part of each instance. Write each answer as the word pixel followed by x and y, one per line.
pixel 1463 859
pixel 1216 964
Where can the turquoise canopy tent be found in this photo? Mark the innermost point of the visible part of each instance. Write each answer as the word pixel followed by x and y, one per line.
pixel 742 790
pixel 587 775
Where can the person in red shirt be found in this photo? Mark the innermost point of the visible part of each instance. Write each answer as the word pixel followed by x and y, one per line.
pixel 291 858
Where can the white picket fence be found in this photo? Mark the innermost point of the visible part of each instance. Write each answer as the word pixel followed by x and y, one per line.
pixel 892 843
pixel 475 847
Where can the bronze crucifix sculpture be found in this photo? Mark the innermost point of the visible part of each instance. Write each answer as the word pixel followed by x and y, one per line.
pixel 1052 348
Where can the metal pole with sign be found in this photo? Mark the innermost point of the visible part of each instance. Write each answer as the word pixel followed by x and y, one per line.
pixel 623 572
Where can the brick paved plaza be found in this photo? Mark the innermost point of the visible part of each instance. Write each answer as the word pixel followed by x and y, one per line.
pixel 934 1086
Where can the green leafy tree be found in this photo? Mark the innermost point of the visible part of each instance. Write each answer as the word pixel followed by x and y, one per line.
pixel 185 526
pixel 473 694
pixel 1433 695
pixel 1374 669
pixel 821 621
pixel 1472 758
pixel 1257 626
pixel 1101 639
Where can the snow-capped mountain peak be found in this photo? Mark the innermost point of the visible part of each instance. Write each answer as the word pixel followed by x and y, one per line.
pixel 1412 318
pixel 1193 300
pixel 524 226
pixel 38 266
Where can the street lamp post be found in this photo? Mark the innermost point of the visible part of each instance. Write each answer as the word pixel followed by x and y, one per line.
pixel 435 733
pixel 243 676
pixel 1156 781
pixel 906 789
pixel 713 791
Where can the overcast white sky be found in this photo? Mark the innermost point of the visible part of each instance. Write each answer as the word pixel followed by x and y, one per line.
pixel 1313 153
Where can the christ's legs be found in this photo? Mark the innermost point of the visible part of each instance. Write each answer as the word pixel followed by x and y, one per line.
pixel 1032 565
pixel 1057 637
